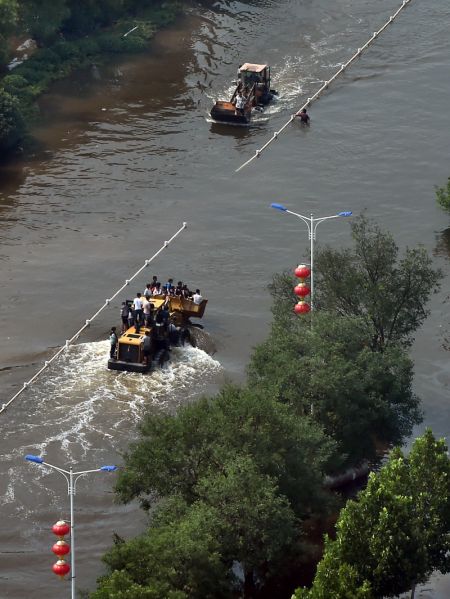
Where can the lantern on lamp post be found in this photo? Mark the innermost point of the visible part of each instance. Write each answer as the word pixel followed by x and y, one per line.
pixel 61 548
pixel 302 271
pixel 302 308
pixel 312 224
pixel 302 290
pixel 62 528
pixel 61 568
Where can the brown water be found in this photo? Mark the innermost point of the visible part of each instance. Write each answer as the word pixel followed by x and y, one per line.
pixel 126 155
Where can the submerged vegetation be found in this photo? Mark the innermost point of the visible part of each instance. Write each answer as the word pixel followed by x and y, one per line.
pixel 68 34
pixel 443 196
pixel 234 483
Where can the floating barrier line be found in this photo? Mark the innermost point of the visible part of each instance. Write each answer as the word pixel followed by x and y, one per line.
pixel 75 337
pixel 326 84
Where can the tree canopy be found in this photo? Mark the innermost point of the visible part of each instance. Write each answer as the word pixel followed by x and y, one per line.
pixel 397 532
pixel 240 522
pixel 250 466
pixel 363 399
pixel 372 281
pixel 11 122
pixel 175 451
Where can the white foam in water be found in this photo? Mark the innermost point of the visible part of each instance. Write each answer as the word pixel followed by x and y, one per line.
pixel 286 79
pixel 79 405
pixel 85 376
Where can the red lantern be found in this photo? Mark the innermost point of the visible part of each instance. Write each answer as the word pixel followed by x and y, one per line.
pixel 61 548
pixel 60 529
pixel 61 568
pixel 302 308
pixel 302 271
pixel 301 290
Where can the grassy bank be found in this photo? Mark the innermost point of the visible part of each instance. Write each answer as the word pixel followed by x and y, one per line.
pixel 20 88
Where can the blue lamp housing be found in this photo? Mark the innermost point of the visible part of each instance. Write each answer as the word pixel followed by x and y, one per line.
pixel 34 458
pixel 279 207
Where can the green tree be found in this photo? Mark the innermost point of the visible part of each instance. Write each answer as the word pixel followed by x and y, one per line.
pixel 193 550
pixel 335 580
pixel 11 122
pixel 175 451
pixel 43 18
pixel 443 196
pixel 373 282
pixel 398 531
pixel 8 22
pixel 178 558
pixel 360 397
pixel 256 524
pixel 8 16
pixel 87 15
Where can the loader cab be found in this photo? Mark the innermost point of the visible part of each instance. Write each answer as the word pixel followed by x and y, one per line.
pixel 255 74
pixel 254 82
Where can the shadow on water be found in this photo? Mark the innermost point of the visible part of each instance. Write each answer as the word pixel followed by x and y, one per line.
pixel 226 130
pixel 12 176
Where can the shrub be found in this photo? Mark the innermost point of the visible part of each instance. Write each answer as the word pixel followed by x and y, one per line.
pixel 11 121
pixel 45 57
pixel 88 46
pixel 14 83
pixel 67 50
pixel 30 74
pixel 443 196
pixel 134 44
pixel 110 42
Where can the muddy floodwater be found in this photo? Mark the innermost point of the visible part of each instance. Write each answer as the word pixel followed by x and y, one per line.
pixel 125 154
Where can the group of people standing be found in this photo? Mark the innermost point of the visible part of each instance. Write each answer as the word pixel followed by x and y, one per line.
pixel 156 289
pixel 141 311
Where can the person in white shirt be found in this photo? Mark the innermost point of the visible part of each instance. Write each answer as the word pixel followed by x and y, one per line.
pixel 147 308
pixel 240 103
pixel 138 312
pixel 197 298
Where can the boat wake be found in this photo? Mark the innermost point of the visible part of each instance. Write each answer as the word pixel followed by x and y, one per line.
pixel 81 411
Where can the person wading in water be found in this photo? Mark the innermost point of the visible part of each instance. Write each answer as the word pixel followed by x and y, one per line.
pixel 303 116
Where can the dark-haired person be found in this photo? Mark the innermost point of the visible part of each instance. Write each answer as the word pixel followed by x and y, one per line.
pixel 197 298
pixel 146 307
pixel 158 290
pixel 303 116
pixel 138 312
pixel 130 316
pixel 113 342
pixel 147 348
pixel 124 311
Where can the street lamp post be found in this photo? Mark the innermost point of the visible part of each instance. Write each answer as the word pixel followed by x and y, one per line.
pixel 71 479
pixel 312 224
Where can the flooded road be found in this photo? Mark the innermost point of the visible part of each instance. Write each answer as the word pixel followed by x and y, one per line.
pixel 126 154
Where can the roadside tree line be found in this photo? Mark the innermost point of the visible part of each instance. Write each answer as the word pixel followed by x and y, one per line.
pixel 234 483
pixel 69 34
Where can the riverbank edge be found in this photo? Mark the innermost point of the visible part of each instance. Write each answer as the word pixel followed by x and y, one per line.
pixel 21 87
